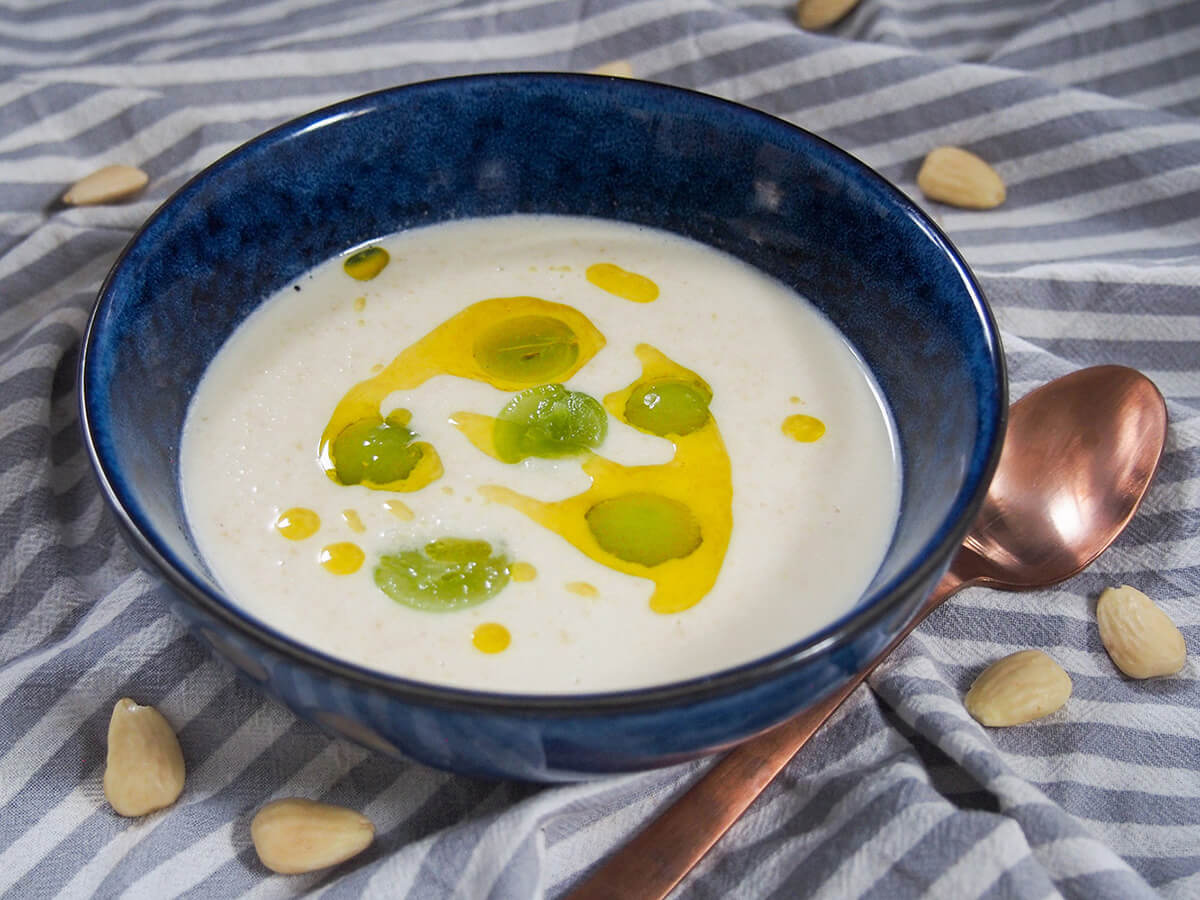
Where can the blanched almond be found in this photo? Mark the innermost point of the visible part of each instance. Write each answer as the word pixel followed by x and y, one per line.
pixel 145 768
pixel 813 15
pixel 960 178
pixel 1141 638
pixel 106 185
pixel 1018 688
pixel 296 835
pixel 618 68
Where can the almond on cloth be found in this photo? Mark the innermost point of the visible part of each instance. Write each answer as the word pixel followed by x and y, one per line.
pixel 618 68
pixel 106 186
pixel 958 177
pixel 813 15
pixel 1141 638
pixel 295 835
pixel 1019 688
pixel 145 768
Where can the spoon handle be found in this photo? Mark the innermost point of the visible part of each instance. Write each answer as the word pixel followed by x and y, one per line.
pixel 657 858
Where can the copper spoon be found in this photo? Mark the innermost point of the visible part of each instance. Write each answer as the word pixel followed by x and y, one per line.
pixel 1078 456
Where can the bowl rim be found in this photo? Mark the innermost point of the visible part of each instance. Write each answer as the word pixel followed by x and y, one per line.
pixel 935 555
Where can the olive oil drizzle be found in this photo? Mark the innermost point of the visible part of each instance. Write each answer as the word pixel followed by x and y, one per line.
pixel 700 459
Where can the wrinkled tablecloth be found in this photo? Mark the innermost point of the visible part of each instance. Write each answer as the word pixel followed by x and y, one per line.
pixel 1089 109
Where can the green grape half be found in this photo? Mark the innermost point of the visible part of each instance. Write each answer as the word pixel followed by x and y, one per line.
pixel 548 421
pixel 375 449
pixel 447 574
pixel 527 349
pixel 644 528
pixel 669 406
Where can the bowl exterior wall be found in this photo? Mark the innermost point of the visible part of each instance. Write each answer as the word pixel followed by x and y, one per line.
pixel 537 746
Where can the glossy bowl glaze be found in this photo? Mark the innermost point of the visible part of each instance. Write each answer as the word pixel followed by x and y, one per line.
pixel 744 182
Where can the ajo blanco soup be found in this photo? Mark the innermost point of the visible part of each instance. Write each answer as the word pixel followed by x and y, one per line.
pixel 540 454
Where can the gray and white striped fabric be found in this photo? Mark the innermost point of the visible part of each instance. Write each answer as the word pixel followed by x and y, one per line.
pixel 1090 109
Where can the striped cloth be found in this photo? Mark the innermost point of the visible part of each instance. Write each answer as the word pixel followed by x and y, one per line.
pixel 1089 109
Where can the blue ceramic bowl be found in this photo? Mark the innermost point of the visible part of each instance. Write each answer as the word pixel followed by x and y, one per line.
pixel 749 184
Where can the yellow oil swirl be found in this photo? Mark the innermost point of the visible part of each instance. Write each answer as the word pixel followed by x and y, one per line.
pixel 510 343
pixel 583 589
pixel 353 521
pixel 681 581
pixel 804 429
pixel 399 509
pixel 479 430
pixel 343 558
pixel 522 571
pixel 622 283
pixel 297 523
pixel 491 637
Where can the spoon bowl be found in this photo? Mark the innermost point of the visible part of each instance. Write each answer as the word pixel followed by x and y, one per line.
pixel 1079 454
pixel 1078 457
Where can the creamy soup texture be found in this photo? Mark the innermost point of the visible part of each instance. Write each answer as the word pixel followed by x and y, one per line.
pixel 540 454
